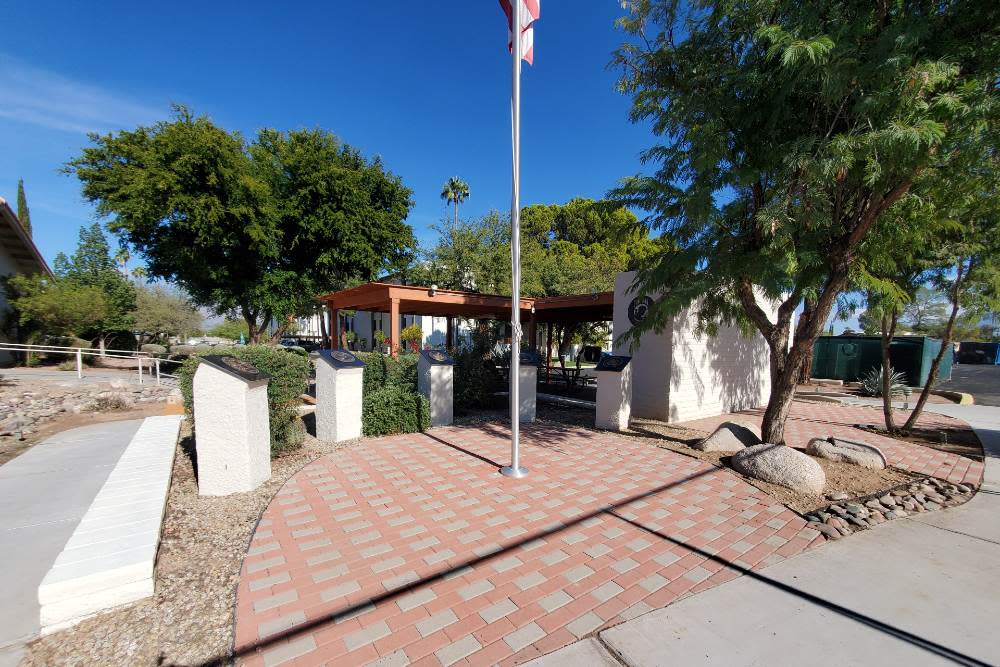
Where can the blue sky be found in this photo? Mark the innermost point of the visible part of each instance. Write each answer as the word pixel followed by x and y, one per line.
pixel 424 85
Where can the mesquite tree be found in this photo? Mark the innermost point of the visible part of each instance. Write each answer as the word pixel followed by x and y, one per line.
pixel 787 132
pixel 259 228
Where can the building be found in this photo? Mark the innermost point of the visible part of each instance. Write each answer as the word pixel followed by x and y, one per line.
pixel 18 256
pixel 678 373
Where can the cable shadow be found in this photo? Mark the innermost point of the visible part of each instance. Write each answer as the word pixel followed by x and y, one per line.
pixel 898 633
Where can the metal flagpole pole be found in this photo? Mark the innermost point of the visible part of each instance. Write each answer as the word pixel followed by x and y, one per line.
pixel 515 469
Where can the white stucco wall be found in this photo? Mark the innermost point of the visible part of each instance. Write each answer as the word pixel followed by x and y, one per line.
pixel 651 363
pixel 711 375
pixel 679 375
pixel 338 402
pixel 7 267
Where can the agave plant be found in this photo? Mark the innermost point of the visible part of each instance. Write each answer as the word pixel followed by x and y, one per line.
pixel 871 384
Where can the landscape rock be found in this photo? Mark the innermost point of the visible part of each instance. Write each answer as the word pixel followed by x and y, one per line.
pixel 730 437
pixel 847 451
pixel 839 495
pixel 782 465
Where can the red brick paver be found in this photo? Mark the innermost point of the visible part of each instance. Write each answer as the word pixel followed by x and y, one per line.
pixel 808 421
pixel 412 549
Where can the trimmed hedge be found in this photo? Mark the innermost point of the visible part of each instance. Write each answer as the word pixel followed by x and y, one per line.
pixel 289 379
pixel 390 401
pixel 153 348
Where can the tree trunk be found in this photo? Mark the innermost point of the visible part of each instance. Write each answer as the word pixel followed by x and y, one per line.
pixel 456 213
pixel 956 290
pixel 889 321
pixel 805 374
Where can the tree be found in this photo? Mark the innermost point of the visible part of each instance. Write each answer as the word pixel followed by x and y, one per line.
pixel 231 328
pixel 23 214
pixel 92 265
pixel 927 310
pixel 259 228
pixel 788 132
pixel 455 191
pixel 47 306
pixel 160 314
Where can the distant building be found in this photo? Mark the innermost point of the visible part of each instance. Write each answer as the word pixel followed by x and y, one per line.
pixel 18 256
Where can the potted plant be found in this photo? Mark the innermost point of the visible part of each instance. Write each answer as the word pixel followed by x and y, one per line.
pixel 412 334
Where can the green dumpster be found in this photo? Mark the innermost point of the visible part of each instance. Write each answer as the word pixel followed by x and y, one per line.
pixel 850 358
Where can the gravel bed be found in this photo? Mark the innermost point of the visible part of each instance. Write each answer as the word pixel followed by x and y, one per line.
pixel 189 620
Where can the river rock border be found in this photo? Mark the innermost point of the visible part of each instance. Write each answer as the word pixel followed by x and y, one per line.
pixel 844 518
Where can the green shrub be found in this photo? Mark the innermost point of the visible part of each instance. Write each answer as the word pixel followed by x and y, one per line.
pixel 390 401
pixel 394 409
pixel 153 348
pixel 182 350
pixel 68 365
pixel 476 376
pixel 289 378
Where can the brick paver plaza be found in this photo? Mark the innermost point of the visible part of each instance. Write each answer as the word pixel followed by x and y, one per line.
pixel 411 549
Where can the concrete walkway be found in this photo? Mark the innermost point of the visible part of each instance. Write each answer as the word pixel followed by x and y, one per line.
pixel 916 591
pixel 43 495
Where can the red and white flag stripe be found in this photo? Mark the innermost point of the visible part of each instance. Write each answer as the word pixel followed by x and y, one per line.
pixel 529 14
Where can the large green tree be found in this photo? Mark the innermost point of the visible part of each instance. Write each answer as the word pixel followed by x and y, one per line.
pixel 787 132
pixel 23 214
pixel 92 265
pixel 45 306
pixel 259 228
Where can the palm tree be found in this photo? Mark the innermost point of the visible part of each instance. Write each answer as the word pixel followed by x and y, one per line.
pixel 455 191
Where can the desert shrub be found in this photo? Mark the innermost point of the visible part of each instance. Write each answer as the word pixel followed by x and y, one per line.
pixel 871 384
pixel 153 348
pixel 390 401
pixel 182 350
pixel 68 365
pixel 476 376
pixel 289 378
pixel 111 403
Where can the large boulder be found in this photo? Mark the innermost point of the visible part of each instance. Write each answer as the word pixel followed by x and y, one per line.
pixel 781 465
pixel 847 451
pixel 730 437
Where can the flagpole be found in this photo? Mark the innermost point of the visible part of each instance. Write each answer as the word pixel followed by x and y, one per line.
pixel 515 469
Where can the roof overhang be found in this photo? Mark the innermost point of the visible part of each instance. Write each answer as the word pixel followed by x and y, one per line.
pixel 417 300
pixel 18 244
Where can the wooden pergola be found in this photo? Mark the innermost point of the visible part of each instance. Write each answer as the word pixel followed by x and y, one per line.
pixel 416 300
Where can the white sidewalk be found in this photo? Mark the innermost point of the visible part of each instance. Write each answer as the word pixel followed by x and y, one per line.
pixel 915 591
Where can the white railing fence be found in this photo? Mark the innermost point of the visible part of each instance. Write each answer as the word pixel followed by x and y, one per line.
pixel 150 363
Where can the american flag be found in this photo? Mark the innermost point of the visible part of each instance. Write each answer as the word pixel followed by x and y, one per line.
pixel 529 14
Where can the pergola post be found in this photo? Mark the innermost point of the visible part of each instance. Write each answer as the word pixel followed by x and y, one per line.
pixel 449 342
pixel 394 326
pixel 334 328
pixel 548 351
pixel 532 332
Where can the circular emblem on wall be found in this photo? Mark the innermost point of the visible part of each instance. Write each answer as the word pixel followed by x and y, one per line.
pixel 639 309
pixel 341 356
pixel 437 356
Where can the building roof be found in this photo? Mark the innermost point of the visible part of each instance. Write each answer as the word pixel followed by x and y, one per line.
pixel 18 244
pixel 422 300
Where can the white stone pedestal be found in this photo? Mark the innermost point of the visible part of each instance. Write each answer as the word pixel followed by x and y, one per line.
pixel 614 393
pixel 435 380
pixel 232 428
pixel 527 390
pixel 339 384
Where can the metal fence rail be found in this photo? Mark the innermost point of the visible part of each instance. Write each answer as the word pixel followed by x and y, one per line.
pixel 144 360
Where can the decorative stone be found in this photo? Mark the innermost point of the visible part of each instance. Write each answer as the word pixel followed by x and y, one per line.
pixel 887 500
pixel 932 506
pixel 339 384
pixel 826 529
pixel 839 495
pixel 614 393
pixel 898 514
pixel 781 465
pixel 435 380
pixel 847 451
pixel 730 437
pixel 232 427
